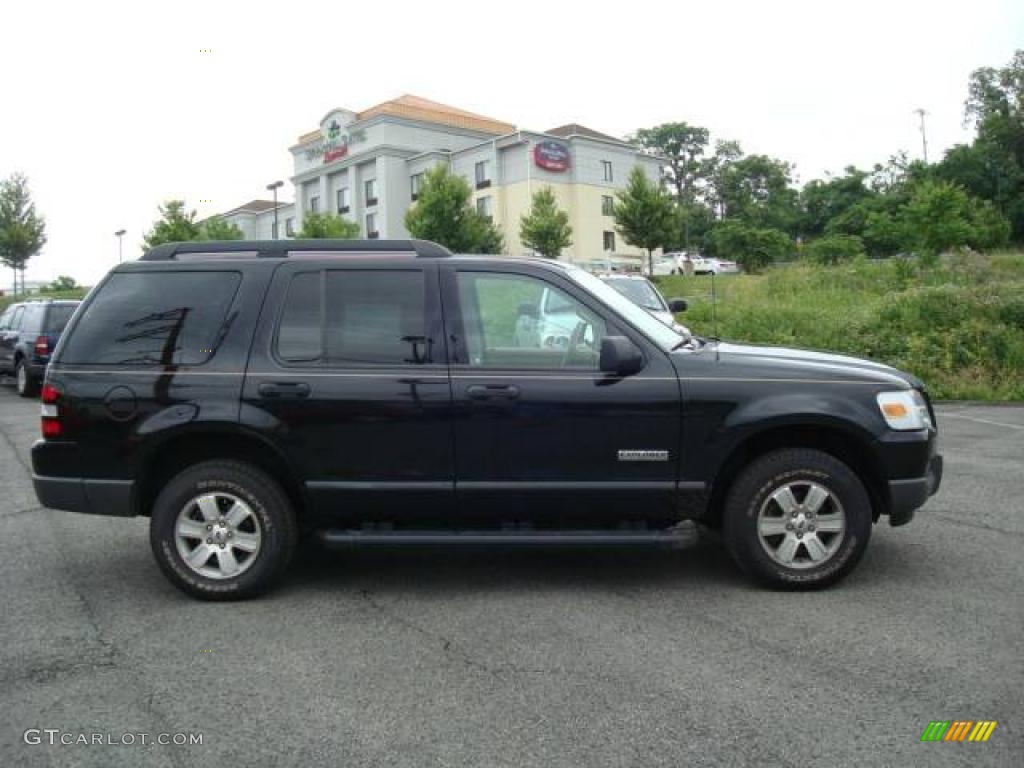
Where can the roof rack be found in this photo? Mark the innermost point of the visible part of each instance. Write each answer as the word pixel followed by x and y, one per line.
pixel 281 248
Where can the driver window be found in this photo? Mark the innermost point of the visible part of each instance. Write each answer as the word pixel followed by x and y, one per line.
pixel 517 321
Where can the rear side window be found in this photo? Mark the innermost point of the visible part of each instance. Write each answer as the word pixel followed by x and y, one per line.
pixel 32 321
pixel 57 318
pixel 355 317
pixel 153 318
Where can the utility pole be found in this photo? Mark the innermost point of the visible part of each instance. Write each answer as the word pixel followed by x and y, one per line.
pixel 120 254
pixel 924 138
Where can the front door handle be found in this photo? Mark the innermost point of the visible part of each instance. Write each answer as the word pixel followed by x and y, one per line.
pixel 492 392
pixel 283 390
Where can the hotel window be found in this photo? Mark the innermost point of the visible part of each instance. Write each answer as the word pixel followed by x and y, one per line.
pixel 609 241
pixel 607 205
pixel 483 179
pixel 416 184
pixel 606 169
pixel 289 227
pixel 343 202
pixel 483 207
pixel 371 191
pixel 314 204
pixel 371 225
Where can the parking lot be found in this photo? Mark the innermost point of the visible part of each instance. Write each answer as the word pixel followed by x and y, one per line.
pixel 455 658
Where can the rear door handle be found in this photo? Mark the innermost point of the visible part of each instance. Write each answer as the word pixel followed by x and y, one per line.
pixel 283 390
pixel 492 392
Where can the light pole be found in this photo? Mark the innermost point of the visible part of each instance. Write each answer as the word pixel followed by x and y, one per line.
pixel 119 234
pixel 924 139
pixel 273 188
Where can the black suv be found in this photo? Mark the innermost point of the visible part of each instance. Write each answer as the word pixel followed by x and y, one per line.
pixel 387 392
pixel 29 331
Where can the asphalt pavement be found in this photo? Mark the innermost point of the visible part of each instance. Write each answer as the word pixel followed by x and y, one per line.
pixel 523 658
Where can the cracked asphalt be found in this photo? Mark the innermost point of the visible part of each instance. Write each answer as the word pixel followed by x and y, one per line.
pixel 454 658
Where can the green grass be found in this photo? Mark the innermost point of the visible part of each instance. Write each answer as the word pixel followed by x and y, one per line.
pixel 959 325
pixel 75 293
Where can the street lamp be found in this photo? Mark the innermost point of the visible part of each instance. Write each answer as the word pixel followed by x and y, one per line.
pixel 273 188
pixel 119 234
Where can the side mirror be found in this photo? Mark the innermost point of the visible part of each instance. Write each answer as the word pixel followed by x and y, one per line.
pixel 620 356
pixel 677 305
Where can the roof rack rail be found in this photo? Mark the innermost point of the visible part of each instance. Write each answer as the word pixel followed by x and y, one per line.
pixel 281 248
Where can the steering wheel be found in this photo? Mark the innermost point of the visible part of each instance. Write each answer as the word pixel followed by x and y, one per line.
pixel 574 341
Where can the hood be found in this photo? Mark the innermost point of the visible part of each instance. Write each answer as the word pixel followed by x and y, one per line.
pixel 786 362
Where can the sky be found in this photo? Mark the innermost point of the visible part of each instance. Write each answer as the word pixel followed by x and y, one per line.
pixel 111 108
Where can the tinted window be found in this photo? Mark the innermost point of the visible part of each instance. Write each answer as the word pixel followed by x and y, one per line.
pixel 153 318
pixel 58 316
pixel 32 322
pixel 5 318
pixel 19 313
pixel 356 318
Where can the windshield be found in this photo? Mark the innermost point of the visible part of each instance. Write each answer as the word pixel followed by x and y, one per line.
pixel 639 292
pixel 653 328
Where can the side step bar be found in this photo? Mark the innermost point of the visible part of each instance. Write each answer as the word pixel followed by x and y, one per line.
pixel 682 535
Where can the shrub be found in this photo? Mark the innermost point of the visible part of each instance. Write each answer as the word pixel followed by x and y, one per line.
pixel 834 249
pixel 752 248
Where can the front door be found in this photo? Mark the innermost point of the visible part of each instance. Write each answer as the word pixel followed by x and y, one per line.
pixel 350 380
pixel 541 435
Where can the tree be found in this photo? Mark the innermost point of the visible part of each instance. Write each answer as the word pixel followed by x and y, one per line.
pixel 752 248
pixel 942 216
pixel 545 229
pixel 714 170
pixel 22 230
pixel 821 201
pixel 217 228
pixel 756 190
pixel 834 249
pixel 644 214
pixel 63 283
pixel 175 225
pixel 443 213
pixel 317 226
pixel 682 145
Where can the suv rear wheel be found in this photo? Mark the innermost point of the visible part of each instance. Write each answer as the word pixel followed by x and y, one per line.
pixel 222 530
pixel 24 382
pixel 797 519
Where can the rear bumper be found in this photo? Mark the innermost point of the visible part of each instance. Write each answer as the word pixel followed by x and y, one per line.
pixel 906 496
pixel 78 494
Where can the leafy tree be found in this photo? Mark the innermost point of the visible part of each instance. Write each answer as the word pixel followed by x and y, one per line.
pixel 756 190
pixel 22 230
pixel 443 213
pixel 644 214
pixel 942 216
pixel 878 221
pixel 317 226
pixel 821 201
pixel 217 228
pixel 175 225
pixel 714 171
pixel 682 145
pixel 690 223
pixel 834 249
pixel 63 283
pixel 546 228
pixel 751 247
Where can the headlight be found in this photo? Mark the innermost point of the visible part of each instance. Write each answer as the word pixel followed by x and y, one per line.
pixel 905 410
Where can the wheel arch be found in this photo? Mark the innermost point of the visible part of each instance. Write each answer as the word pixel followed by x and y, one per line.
pixel 847 443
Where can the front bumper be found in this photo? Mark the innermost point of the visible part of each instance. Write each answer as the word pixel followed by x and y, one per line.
pixel 906 496
pixel 78 494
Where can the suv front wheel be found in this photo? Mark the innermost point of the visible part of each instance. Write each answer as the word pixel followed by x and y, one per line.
pixel 222 530
pixel 797 519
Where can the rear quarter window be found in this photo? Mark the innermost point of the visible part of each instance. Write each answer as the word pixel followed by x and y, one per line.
pixel 153 318
pixel 58 316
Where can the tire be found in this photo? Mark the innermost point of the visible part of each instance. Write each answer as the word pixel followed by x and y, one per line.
pixel 25 383
pixel 249 525
pixel 808 541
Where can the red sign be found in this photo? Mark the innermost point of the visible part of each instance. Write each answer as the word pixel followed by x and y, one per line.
pixel 335 154
pixel 551 156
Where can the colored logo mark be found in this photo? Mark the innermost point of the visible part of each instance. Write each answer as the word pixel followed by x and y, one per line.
pixel 958 730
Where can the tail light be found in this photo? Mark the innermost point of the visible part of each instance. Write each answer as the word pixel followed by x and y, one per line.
pixel 50 411
pixel 42 346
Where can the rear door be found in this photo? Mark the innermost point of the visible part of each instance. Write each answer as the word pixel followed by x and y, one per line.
pixel 349 376
pixel 9 335
pixel 541 434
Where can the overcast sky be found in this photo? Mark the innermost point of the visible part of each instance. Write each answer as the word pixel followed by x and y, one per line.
pixel 111 108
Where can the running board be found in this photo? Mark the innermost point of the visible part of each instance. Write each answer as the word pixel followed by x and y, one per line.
pixel 682 535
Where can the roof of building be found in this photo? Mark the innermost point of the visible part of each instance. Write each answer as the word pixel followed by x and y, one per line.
pixel 575 129
pixel 418 108
pixel 257 206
